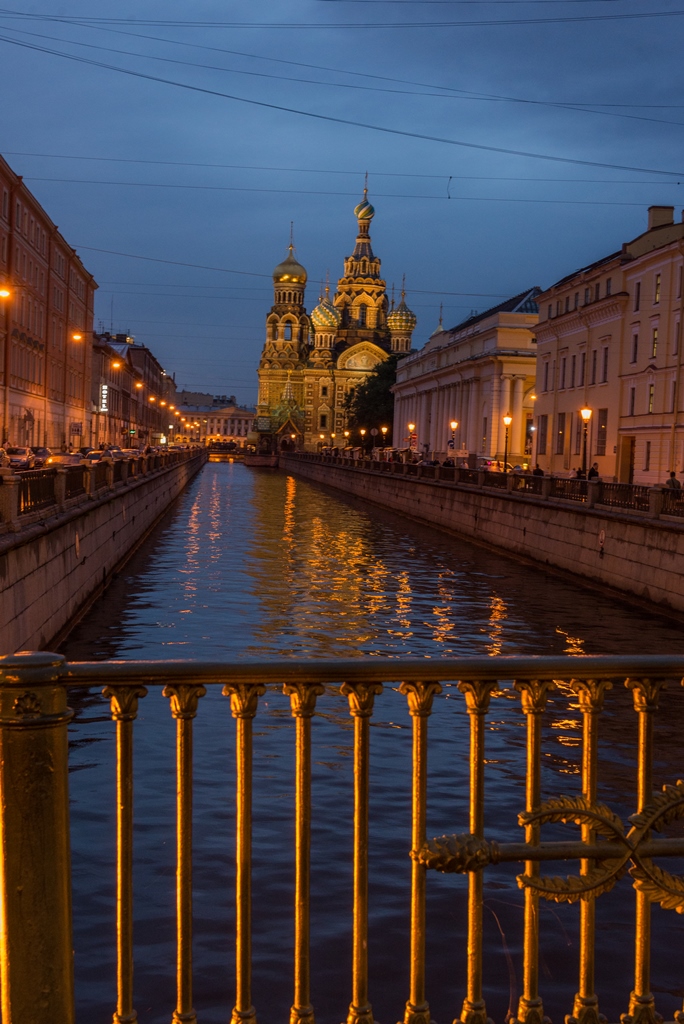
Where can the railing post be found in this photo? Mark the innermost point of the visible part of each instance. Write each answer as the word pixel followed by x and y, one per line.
pixel 546 485
pixel 9 500
pixel 90 481
pixel 481 473
pixel 655 501
pixel 511 480
pixel 60 487
pixel 110 476
pixel 125 465
pixel 593 492
pixel 36 948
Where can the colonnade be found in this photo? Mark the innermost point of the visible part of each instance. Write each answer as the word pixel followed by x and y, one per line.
pixel 478 405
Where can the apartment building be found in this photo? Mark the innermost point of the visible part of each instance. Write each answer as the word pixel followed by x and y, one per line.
pixel 608 341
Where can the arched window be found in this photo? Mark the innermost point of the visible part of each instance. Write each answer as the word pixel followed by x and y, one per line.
pixel 362 316
pixel 288 332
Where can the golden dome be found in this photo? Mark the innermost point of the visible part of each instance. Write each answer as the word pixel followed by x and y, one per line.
pixel 289 271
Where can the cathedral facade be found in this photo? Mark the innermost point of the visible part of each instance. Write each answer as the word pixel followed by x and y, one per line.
pixel 311 362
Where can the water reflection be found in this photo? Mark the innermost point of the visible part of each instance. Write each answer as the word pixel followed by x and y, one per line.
pixel 262 565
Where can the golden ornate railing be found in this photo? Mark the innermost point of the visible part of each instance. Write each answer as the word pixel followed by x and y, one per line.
pixel 35 926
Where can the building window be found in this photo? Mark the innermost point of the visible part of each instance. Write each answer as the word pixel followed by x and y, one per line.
pixel 546 377
pixel 288 332
pixel 563 365
pixel 576 299
pixel 362 316
pixel 654 346
pixel 594 360
pixel 647 457
pixel 573 368
pixel 609 286
pixel 635 347
pixel 567 303
pixel 578 434
pixel 632 400
pixel 583 367
pixel 604 366
pixel 550 311
pixel 323 424
pixel 637 296
pixel 651 393
pixel 587 296
pixel 324 391
pixel 656 295
pixel 597 291
pixel 560 433
pixel 542 431
pixel 558 307
pixel 601 431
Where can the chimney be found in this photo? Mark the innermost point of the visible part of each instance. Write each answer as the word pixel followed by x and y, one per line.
pixel 659 216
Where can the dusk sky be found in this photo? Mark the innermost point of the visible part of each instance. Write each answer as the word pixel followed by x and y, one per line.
pixel 163 139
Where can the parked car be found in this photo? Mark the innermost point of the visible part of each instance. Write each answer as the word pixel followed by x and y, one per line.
pixel 64 459
pixel 85 449
pixel 112 450
pixel 21 458
pixel 98 456
pixel 41 454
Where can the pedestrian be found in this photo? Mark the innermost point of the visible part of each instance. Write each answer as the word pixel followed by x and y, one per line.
pixel 580 474
pixel 537 471
pixel 673 482
pixel 593 472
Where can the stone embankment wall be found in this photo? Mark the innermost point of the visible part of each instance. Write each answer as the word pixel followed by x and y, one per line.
pixel 56 561
pixel 637 553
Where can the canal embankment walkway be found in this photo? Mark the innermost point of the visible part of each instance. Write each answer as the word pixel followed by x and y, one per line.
pixel 64 533
pixel 623 537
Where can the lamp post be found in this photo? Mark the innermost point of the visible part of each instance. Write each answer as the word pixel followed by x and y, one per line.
pixel 508 419
pixel 411 428
pixel 454 428
pixel 384 430
pixel 586 416
pixel 362 432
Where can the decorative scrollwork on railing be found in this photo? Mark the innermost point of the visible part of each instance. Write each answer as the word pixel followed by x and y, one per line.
pixel 457 854
pixel 466 853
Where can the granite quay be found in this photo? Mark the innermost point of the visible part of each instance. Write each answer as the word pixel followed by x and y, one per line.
pixel 623 536
pixel 63 532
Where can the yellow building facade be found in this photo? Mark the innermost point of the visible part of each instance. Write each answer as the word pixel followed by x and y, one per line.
pixel 311 362
pixel 609 340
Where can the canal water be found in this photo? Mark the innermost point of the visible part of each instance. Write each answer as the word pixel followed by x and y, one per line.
pixel 257 564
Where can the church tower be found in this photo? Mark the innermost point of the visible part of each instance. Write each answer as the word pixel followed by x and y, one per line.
pixel 325 320
pixel 360 296
pixel 401 322
pixel 287 331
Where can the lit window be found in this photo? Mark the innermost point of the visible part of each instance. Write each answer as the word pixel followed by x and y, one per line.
pixel 609 286
pixel 654 346
pixel 635 347
pixel 651 394
pixel 656 296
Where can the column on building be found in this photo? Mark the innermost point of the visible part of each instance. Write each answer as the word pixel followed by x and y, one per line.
pixel 439 432
pixel 504 410
pixel 496 415
pixel 518 425
pixel 474 410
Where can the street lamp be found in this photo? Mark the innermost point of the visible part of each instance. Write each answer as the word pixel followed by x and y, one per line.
pixel 454 428
pixel 508 419
pixel 411 428
pixel 383 431
pixel 586 416
pixel 362 432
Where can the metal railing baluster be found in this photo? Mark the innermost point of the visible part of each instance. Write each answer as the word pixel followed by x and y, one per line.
pixel 477 693
pixel 645 694
pixel 244 699
pixel 361 697
pixel 184 698
pixel 124 707
pixel 302 705
pixel 533 695
pixel 591 693
pixel 420 697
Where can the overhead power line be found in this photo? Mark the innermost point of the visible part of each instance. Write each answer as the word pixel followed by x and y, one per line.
pixel 353 26
pixel 339 120
pixel 318 192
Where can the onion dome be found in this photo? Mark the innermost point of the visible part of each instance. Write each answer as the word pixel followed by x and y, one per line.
pixel 401 318
pixel 364 211
pixel 326 316
pixel 289 271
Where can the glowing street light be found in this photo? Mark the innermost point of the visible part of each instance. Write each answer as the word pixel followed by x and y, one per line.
pixel 508 419
pixel 5 293
pixel 116 365
pixel 411 428
pixel 454 428
pixel 77 336
pixel 383 431
pixel 586 416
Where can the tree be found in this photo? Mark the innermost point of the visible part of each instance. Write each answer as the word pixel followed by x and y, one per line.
pixel 371 403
